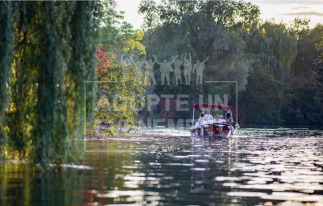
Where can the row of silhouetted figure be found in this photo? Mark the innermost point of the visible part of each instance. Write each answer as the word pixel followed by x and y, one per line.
pixel 165 67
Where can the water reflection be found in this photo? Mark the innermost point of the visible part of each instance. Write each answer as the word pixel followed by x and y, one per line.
pixel 259 166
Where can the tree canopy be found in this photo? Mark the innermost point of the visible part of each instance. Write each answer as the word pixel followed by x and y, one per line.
pixel 241 48
pixel 47 52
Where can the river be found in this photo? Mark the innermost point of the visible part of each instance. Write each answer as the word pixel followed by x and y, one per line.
pixel 258 166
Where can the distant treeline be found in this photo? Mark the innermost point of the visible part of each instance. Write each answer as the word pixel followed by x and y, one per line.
pixel 276 65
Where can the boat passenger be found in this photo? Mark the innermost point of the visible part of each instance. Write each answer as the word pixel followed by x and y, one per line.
pixel 201 120
pixel 208 117
pixel 230 114
pixel 217 119
pixel 228 120
pixel 221 120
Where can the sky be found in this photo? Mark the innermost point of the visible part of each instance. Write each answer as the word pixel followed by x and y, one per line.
pixel 280 10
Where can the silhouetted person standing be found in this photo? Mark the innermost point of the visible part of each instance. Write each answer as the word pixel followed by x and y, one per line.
pixel 199 67
pixel 177 71
pixel 150 70
pixel 165 68
pixel 188 69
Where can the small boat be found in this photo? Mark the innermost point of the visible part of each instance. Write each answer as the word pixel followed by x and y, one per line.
pixel 212 128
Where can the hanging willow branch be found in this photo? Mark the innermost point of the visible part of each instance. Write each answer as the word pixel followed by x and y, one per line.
pixel 6 44
pixel 50 54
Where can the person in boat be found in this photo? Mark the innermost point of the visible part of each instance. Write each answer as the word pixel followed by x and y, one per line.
pixel 208 116
pixel 217 119
pixel 201 120
pixel 229 112
pixel 221 120
pixel 229 121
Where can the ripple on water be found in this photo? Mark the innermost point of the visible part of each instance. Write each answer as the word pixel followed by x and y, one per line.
pixel 280 166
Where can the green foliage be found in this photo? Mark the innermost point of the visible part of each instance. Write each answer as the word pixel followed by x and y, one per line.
pixel 288 54
pixel 300 97
pixel 236 15
pixel 304 63
pixel 47 53
pixel 281 56
pixel 300 28
pixel 179 28
pixel 202 29
pixel 122 85
pixel 117 36
pixel 53 55
pixel 119 93
pixel 275 46
pixel 263 98
pixel 6 48
pixel 319 75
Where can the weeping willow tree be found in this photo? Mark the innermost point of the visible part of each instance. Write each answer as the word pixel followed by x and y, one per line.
pixel 6 48
pixel 47 52
pixel 275 46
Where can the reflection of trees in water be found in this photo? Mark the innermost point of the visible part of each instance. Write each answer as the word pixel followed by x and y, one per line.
pixel 22 184
pixel 189 168
pixel 211 158
pixel 199 172
pixel 113 160
pixel 162 171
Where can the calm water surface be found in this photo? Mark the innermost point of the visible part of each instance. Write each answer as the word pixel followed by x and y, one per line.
pixel 256 167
